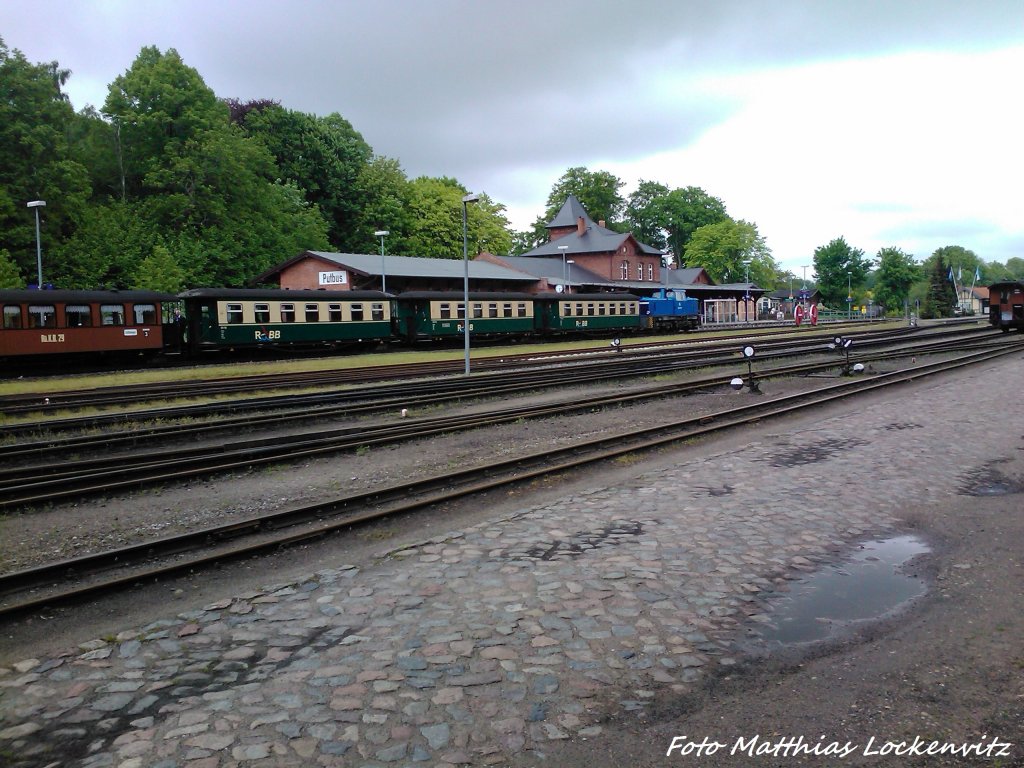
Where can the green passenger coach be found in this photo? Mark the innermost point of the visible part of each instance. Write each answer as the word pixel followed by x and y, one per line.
pixel 425 315
pixel 583 313
pixel 241 318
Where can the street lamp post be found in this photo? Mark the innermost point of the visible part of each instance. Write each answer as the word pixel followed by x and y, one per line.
pixel 382 233
pixel 568 285
pixel 746 295
pixel 565 267
pixel 849 297
pixel 37 204
pixel 466 200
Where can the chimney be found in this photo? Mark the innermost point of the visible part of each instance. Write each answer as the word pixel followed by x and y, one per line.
pixel 581 226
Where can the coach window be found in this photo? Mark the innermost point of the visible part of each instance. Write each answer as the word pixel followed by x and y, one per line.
pixel 590 310
pixel 312 313
pixel 356 311
pixel 611 309
pixel 601 308
pixel 261 313
pixel 111 314
pixel 234 313
pixel 478 311
pixel 506 310
pixel 42 316
pixel 334 312
pixel 145 314
pixel 287 313
pixel 521 310
pixel 567 309
pixel 445 311
pixel 461 310
pixel 579 310
pixel 492 310
pixel 77 315
pixel 377 311
pixel 12 316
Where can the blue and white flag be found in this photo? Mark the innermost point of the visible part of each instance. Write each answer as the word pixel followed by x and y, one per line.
pixel 951 274
pixel 977 274
pixel 959 273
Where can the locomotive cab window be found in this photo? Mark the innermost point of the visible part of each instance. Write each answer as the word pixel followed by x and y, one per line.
pixel 77 315
pixel 42 316
pixel 12 316
pixel 376 311
pixel 234 314
pixel 111 314
pixel 312 313
pixel 357 312
pixel 287 313
pixel 261 312
pixel 145 314
pixel 334 312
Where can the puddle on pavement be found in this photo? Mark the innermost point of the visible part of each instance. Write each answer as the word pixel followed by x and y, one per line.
pixel 867 586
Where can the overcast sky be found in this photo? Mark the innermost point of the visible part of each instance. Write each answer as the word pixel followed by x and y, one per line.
pixel 888 123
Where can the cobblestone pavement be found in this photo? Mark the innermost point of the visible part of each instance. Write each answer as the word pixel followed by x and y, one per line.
pixel 498 639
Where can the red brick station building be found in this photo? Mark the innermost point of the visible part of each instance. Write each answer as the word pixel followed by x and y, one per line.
pixel 581 256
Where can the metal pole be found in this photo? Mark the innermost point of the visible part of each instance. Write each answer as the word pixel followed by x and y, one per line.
pixel 470 198
pixel 37 204
pixel 39 255
pixel 382 233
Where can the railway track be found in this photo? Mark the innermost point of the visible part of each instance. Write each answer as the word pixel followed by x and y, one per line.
pixel 86 577
pixel 54 475
pixel 135 394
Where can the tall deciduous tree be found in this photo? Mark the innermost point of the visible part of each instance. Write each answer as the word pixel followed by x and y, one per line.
pixel 896 272
pixel 35 164
pixel 646 215
pixel 683 212
pixel 832 262
pixel 730 251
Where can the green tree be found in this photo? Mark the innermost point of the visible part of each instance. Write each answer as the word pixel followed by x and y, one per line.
pixel 35 163
pixel 385 192
pixel 10 277
pixel 896 272
pixel 159 272
pixel 646 215
pixel 324 156
pixel 940 297
pixel 435 228
pixel 683 212
pixel 730 251
pixel 212 192
pixel 838 265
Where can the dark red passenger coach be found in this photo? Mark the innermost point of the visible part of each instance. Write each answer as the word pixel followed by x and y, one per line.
pixel 64 322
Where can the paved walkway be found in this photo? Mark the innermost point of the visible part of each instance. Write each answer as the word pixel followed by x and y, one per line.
pixel 505 636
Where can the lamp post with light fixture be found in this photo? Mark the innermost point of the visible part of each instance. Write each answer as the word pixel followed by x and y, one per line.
pixel 37 204
pixel 466 200
pixel 382 233
pixel 565 267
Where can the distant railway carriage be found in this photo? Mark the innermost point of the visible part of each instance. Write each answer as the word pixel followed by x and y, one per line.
pixel 584 313
pixel 422 315
pixel 1006 305
pixel 247 318
pixel 65 322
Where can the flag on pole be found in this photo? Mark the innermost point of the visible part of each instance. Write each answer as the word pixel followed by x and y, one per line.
pixel 977 274
pixel 960 273
pixel 951 274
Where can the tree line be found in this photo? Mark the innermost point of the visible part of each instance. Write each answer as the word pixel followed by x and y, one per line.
pixel 168 185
